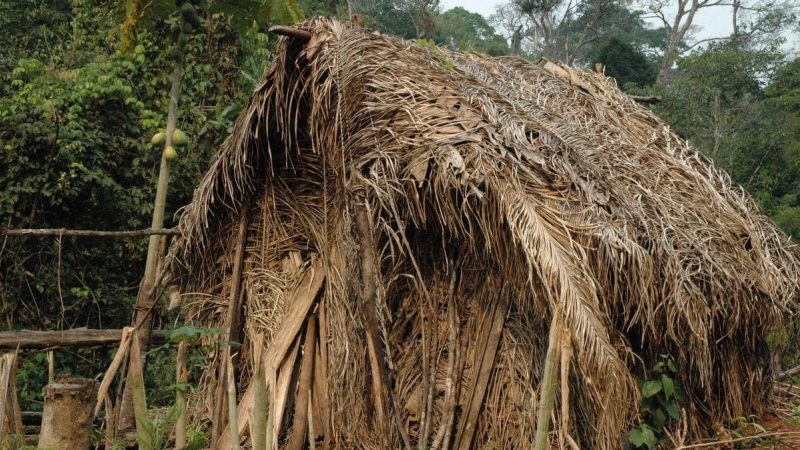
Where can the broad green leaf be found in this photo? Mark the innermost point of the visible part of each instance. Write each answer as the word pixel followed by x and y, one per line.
pixel 669 386
pixel 659 419
pixel 636 437
pixel 672 410
pixel 651 388
pixel 648 437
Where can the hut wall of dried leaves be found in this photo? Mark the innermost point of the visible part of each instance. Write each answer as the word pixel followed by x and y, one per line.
pixel 392 229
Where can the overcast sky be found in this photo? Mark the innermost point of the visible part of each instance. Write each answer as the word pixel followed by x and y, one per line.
pixel 713 22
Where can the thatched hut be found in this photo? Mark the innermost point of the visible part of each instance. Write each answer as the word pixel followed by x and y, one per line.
pixel 395 234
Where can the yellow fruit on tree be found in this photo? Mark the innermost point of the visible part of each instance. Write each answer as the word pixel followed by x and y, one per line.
pixel 179 138
pixel 158 138
pixel 170 153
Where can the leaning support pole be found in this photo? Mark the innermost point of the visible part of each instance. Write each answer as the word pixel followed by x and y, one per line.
pixel 548 386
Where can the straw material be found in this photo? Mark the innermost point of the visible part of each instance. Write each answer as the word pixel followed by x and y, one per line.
pixel 488 184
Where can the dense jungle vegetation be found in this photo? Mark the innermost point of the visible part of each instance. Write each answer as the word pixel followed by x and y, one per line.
pixel 85 84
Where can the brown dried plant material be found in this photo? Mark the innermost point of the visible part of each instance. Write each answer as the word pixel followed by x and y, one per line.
pixel 558 188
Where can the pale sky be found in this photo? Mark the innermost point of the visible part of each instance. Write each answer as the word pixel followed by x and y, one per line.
pixel 714 21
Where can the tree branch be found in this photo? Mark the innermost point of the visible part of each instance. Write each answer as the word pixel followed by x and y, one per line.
pixel 292 32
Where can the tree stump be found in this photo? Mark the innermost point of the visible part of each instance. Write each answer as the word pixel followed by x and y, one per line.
pixel 68 414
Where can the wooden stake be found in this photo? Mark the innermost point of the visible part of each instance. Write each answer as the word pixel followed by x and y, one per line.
pixel 292 32
pixel 9 409
pixel 234 427
pixel 258 419
pixel 234 323
pixel 370 272
pixel 300 425
pixel 566 355
pixel 136 386
pixel 448 415
pixel 548 387
pixel 51 368
pixel 181 378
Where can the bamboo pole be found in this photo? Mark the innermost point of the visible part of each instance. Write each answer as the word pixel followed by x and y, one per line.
pixel 550 380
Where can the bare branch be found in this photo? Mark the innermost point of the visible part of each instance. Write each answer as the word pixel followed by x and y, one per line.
pixel 646 99
pixel 292 32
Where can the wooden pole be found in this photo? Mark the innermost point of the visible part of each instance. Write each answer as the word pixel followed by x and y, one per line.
pixel 548 387
pixel 234 322
pixel 136 386
pixel 79 337
pixel 181 378
pixel 260 399
pixel 91 233
pixel 300 425
pixel 9 407
pixel 234 427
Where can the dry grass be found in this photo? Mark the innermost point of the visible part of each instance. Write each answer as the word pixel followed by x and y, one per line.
pixel 557 189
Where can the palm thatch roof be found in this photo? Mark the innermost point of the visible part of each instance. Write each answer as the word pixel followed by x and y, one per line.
pixel 395 233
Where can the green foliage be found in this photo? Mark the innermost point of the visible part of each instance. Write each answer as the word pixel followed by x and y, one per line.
pixel 76 118
pixel 461 30
pixel 661 398
pixel 389 17
pixel 626 64
pixel 158 429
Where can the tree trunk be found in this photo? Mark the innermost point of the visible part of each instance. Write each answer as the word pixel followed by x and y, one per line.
pixel 68 414
pixel 516 42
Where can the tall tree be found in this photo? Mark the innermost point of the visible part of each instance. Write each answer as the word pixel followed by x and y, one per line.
pixel 625 63
pixel 718 102
pixel 571 31
pixel 462 30
pixel 753 21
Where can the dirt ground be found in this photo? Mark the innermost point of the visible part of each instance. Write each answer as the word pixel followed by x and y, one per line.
pixel 768 432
